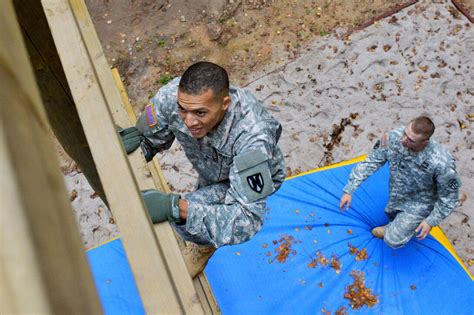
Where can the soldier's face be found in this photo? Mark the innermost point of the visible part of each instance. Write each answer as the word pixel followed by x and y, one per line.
pixel 202 113
pixel 413 141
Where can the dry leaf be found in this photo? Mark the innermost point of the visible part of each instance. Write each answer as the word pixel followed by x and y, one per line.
pixel 73 195
pixel 359 295
pixel 423 68
pixel 461 124
pixel 372 48
pixel 342 310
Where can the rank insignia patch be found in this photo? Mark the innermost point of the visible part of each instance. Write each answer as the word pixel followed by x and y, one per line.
pixel 425 166
pixel 453 184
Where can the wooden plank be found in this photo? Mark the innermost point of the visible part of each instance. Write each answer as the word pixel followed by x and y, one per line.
pixel 154 168
pixel 201 284
pixel 124 116
pixel 94 92
pixel 43 267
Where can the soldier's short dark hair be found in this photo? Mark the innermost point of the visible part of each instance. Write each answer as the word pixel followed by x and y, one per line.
pixel 423 126
pixel 202 76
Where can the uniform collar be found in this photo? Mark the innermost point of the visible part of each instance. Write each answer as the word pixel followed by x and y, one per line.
pixel 425 154
pixel 219 136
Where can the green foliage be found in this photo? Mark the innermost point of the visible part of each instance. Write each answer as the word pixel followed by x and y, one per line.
pixel 160 42
pixel 165 79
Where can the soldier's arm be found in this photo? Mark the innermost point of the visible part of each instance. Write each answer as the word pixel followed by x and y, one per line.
pixel 155 135
pixel 375 160
pixel 447 184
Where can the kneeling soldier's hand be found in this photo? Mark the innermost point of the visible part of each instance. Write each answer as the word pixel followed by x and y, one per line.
pixel 161 206
pixel 131 138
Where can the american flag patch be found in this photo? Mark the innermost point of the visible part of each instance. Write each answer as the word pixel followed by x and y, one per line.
pixel 150 116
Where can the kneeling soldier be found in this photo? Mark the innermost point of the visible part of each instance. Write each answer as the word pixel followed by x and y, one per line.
pixel 424 185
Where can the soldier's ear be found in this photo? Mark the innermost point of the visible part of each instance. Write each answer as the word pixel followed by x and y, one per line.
pixel 226 102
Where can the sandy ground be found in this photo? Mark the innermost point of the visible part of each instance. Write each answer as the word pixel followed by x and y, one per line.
pixel 342 93
pixel 151 41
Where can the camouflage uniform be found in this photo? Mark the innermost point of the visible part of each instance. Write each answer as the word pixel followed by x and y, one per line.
pixel 239 165
pixel 423 186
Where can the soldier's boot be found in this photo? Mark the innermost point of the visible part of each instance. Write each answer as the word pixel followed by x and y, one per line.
pixel 378 231
pixel 196 257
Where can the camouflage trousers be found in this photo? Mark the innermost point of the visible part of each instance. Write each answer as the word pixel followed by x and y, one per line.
pixel 401 228
pixel 210 194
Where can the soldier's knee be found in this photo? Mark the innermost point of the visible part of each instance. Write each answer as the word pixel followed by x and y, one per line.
pixel 394 244
pixel 395 241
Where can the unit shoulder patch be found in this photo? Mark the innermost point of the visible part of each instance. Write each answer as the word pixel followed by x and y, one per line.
pixel 453 184
pixel 151 119
pixel 255 177
pixel 381 143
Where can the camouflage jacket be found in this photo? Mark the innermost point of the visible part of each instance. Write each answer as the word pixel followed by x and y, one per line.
pixel 424 183
pixel 247 136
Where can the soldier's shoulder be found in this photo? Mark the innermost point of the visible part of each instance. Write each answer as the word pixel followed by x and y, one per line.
pixel 165 99
pixel 394 137
pixel 397 132
pixel 440 155
pixel 248 103
pixel 167 93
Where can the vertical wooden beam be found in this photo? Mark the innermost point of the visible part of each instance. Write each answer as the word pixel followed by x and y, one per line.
pixel 55 92
pixel 94 92
pixel 43 266
pixel 151 176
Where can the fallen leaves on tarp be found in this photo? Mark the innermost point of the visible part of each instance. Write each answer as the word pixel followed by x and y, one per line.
pixel 358 294
pixel 325 312
pixel 359 254
pixel 284 248
pixel 319 260
pixel 336 264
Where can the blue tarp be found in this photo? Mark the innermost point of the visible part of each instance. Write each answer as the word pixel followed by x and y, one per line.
pixel 304 219
pixel 114 279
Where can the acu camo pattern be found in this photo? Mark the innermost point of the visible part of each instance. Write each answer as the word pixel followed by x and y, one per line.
pixel 423 186
pixel 219 212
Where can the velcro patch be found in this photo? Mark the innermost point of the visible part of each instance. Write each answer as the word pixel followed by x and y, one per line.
pixel 254 173
pixel 150 116
pixel 382 143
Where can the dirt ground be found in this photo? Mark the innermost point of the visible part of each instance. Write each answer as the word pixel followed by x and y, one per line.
pixel 150 42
